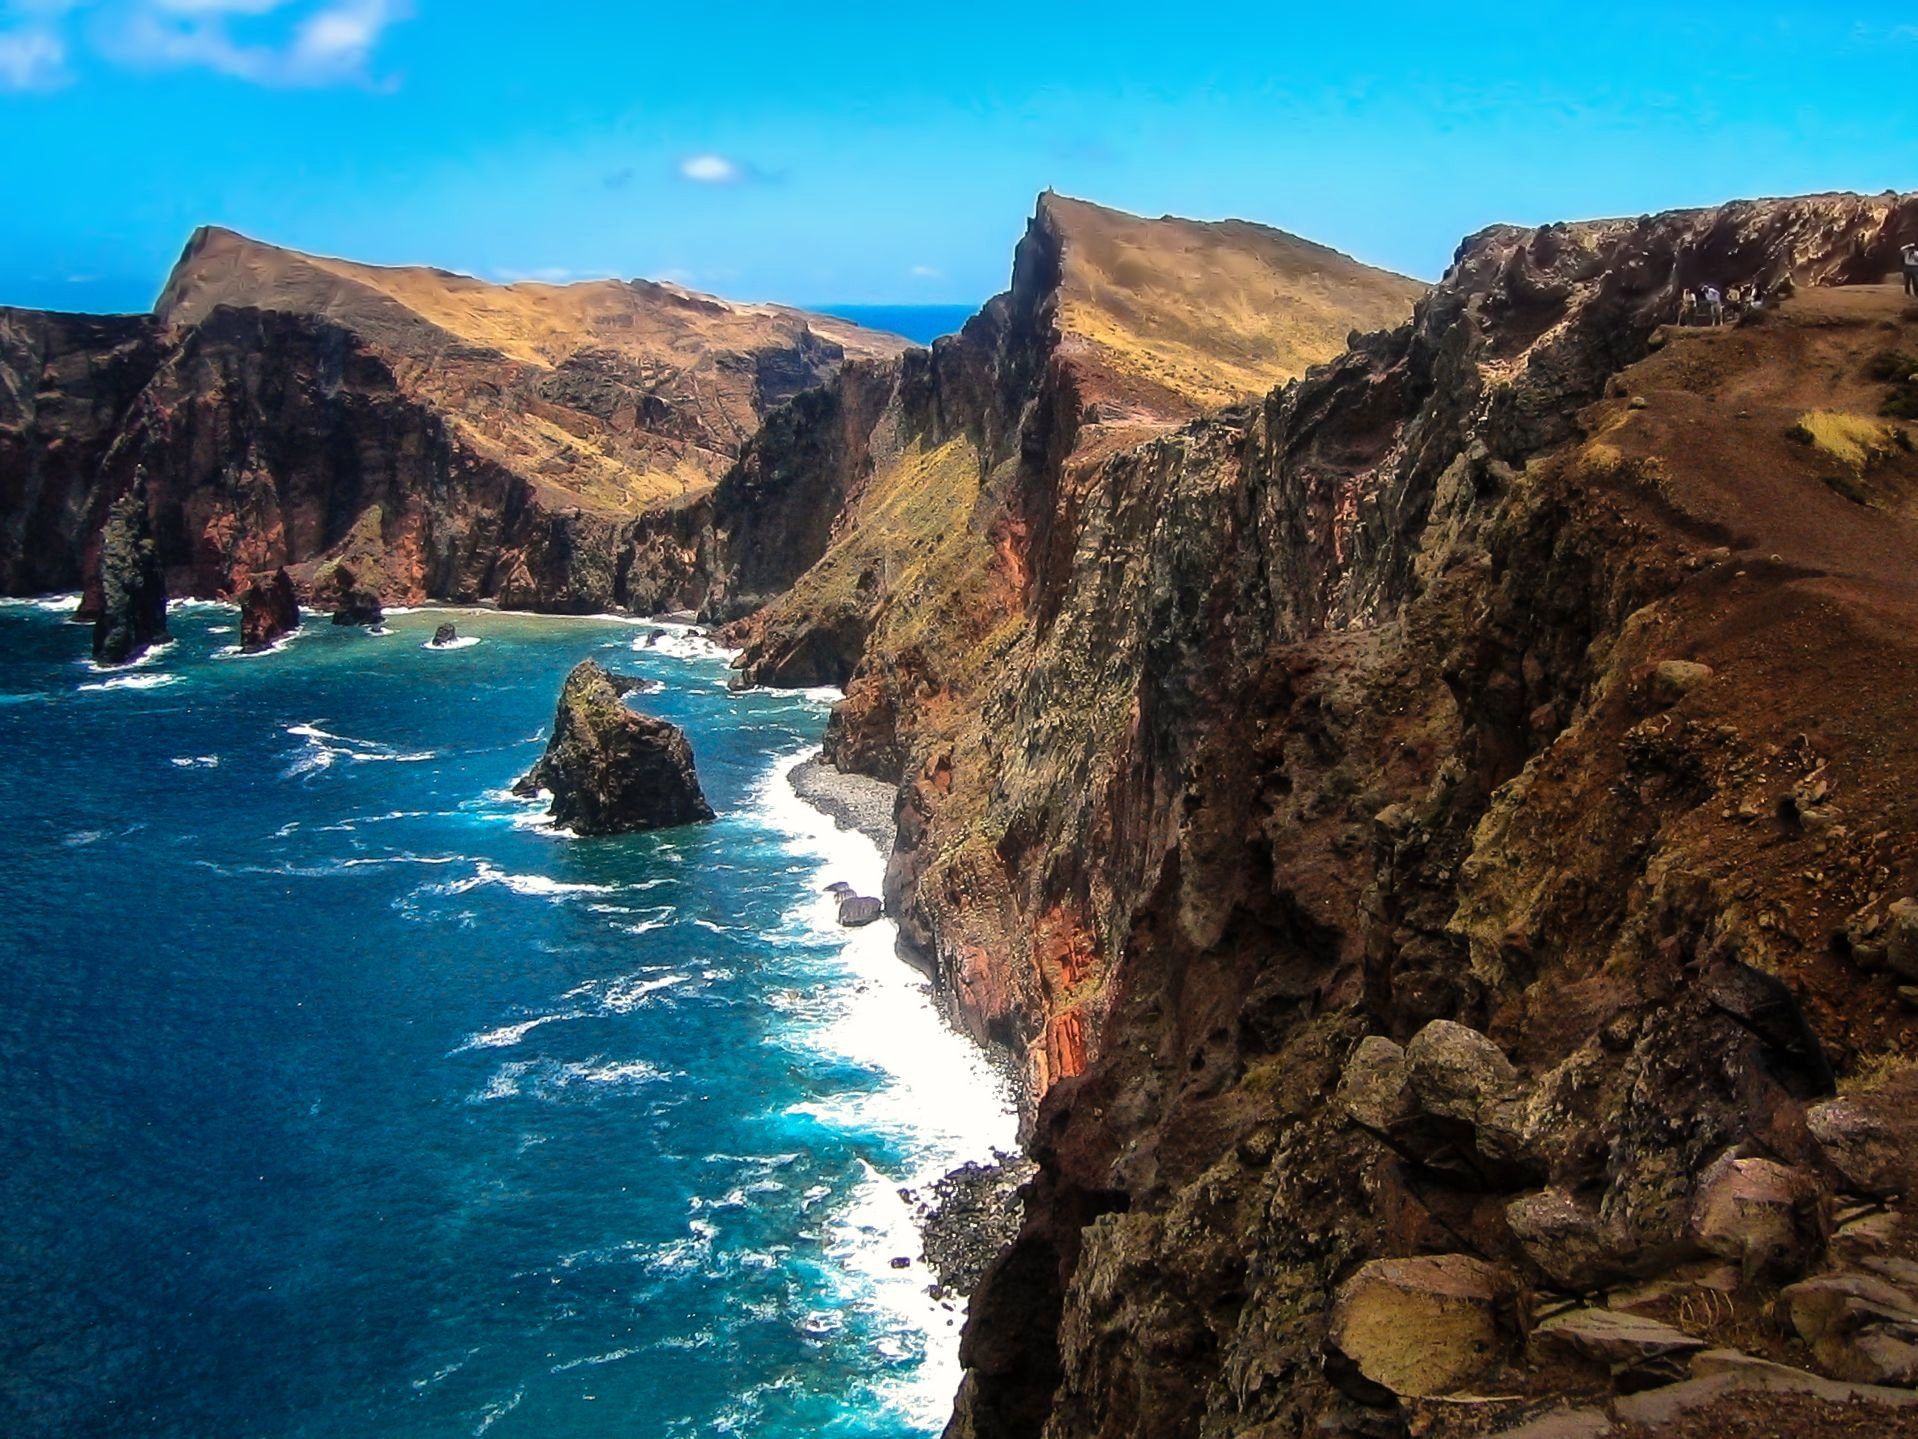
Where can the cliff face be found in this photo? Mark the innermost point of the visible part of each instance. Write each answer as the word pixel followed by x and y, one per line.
pixel 1504 729
pixel 546 446
pixel 1449 686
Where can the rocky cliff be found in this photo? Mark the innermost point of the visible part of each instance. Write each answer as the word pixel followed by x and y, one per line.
pixel 546 446
pixel 1436 835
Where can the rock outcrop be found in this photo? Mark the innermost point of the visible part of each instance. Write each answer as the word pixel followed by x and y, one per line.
pixel 444 635
pixel 269 610
pixel 611 769
pixel 130 615
pixel 550 447
pixel 1503 727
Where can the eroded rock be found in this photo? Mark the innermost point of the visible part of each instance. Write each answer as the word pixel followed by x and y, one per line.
pixel 611 769
pixel 1860 1327
pixel 1422 1326
pixel 132 615
pixel 1636 1351
pixel 1458 1073
pixel 1762 1215
pixel 1564 1239
pixel 1375 1090
pixel 269 610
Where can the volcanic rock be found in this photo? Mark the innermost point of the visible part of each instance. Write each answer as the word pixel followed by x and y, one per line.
pixel 1762 1214
pixel 444 634
pixel 1634 1350
pixel 1374 1089
pixel 269 609
pixel 132 615
pixel 1859 1327
pixel 1573 1246
pixel 551 447
pixel 611 769
pixel 1870 1136
pixel 1421 1326
pixel 354 601
pixel 856 910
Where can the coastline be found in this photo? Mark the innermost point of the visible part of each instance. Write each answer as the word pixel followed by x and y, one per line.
pixel 968 1215
pixel 851 801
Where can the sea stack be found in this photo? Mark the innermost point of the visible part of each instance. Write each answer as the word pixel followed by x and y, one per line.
pixel 354 600
pixel 613 770
pixel 269 609
pixel 132 614
pixel 444 636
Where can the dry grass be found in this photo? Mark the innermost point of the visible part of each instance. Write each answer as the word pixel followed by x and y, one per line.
pixel 436 329
pixel 1214 312
pixel 915 545
pixel 1854 440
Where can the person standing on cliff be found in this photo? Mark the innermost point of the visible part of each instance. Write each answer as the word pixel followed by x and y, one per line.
pixel 1910 254
pixel 1714 305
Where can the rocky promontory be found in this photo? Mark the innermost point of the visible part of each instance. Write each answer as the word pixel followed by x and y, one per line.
pixel 611 769
pixel 132 610
pixel 269 610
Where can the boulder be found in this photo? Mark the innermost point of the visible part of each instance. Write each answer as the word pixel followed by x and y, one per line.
pixel 1374 1090
pixel 1564 1239
pixel 1671 680
pixel 1901 938
pixel 132 615
pixel 1457 1073
pixel 1421 1326
pixel 611 769
pixel 1870 1139
pixel 856 910
pixel 269 609
pixel 1764 1216
pixel 444 635
pixel 1859 1327
pixel 1634 1350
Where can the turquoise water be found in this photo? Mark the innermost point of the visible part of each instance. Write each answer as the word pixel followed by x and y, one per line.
pixel 341 1096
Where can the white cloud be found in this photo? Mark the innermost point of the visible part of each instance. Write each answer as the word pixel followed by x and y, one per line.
pixel 265 42
pixel 926 272
pixel 32 59
pixel 711 170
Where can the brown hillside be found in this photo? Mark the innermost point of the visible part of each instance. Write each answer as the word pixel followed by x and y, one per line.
pixel 626 393
pixel 1210 312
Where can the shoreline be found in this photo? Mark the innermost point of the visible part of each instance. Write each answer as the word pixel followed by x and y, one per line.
pixel 970 1214
pixel 851 801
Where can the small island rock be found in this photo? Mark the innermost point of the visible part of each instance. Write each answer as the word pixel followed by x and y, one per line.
pixel 132 615
pixel 269 609
pixel 444 635
pixel 355 601
pixel 613 770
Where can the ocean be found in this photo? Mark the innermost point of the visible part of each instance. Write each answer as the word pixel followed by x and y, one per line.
pixel 339 1095
pixel 922 324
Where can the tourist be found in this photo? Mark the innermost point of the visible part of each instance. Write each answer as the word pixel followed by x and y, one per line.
pixel 1714 305
pixel 1687 308
pixel 1911 269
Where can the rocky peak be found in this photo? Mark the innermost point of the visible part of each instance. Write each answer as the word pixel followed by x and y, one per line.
pixel 132 611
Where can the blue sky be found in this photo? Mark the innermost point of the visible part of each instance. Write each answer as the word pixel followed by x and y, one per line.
pixel 851 151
